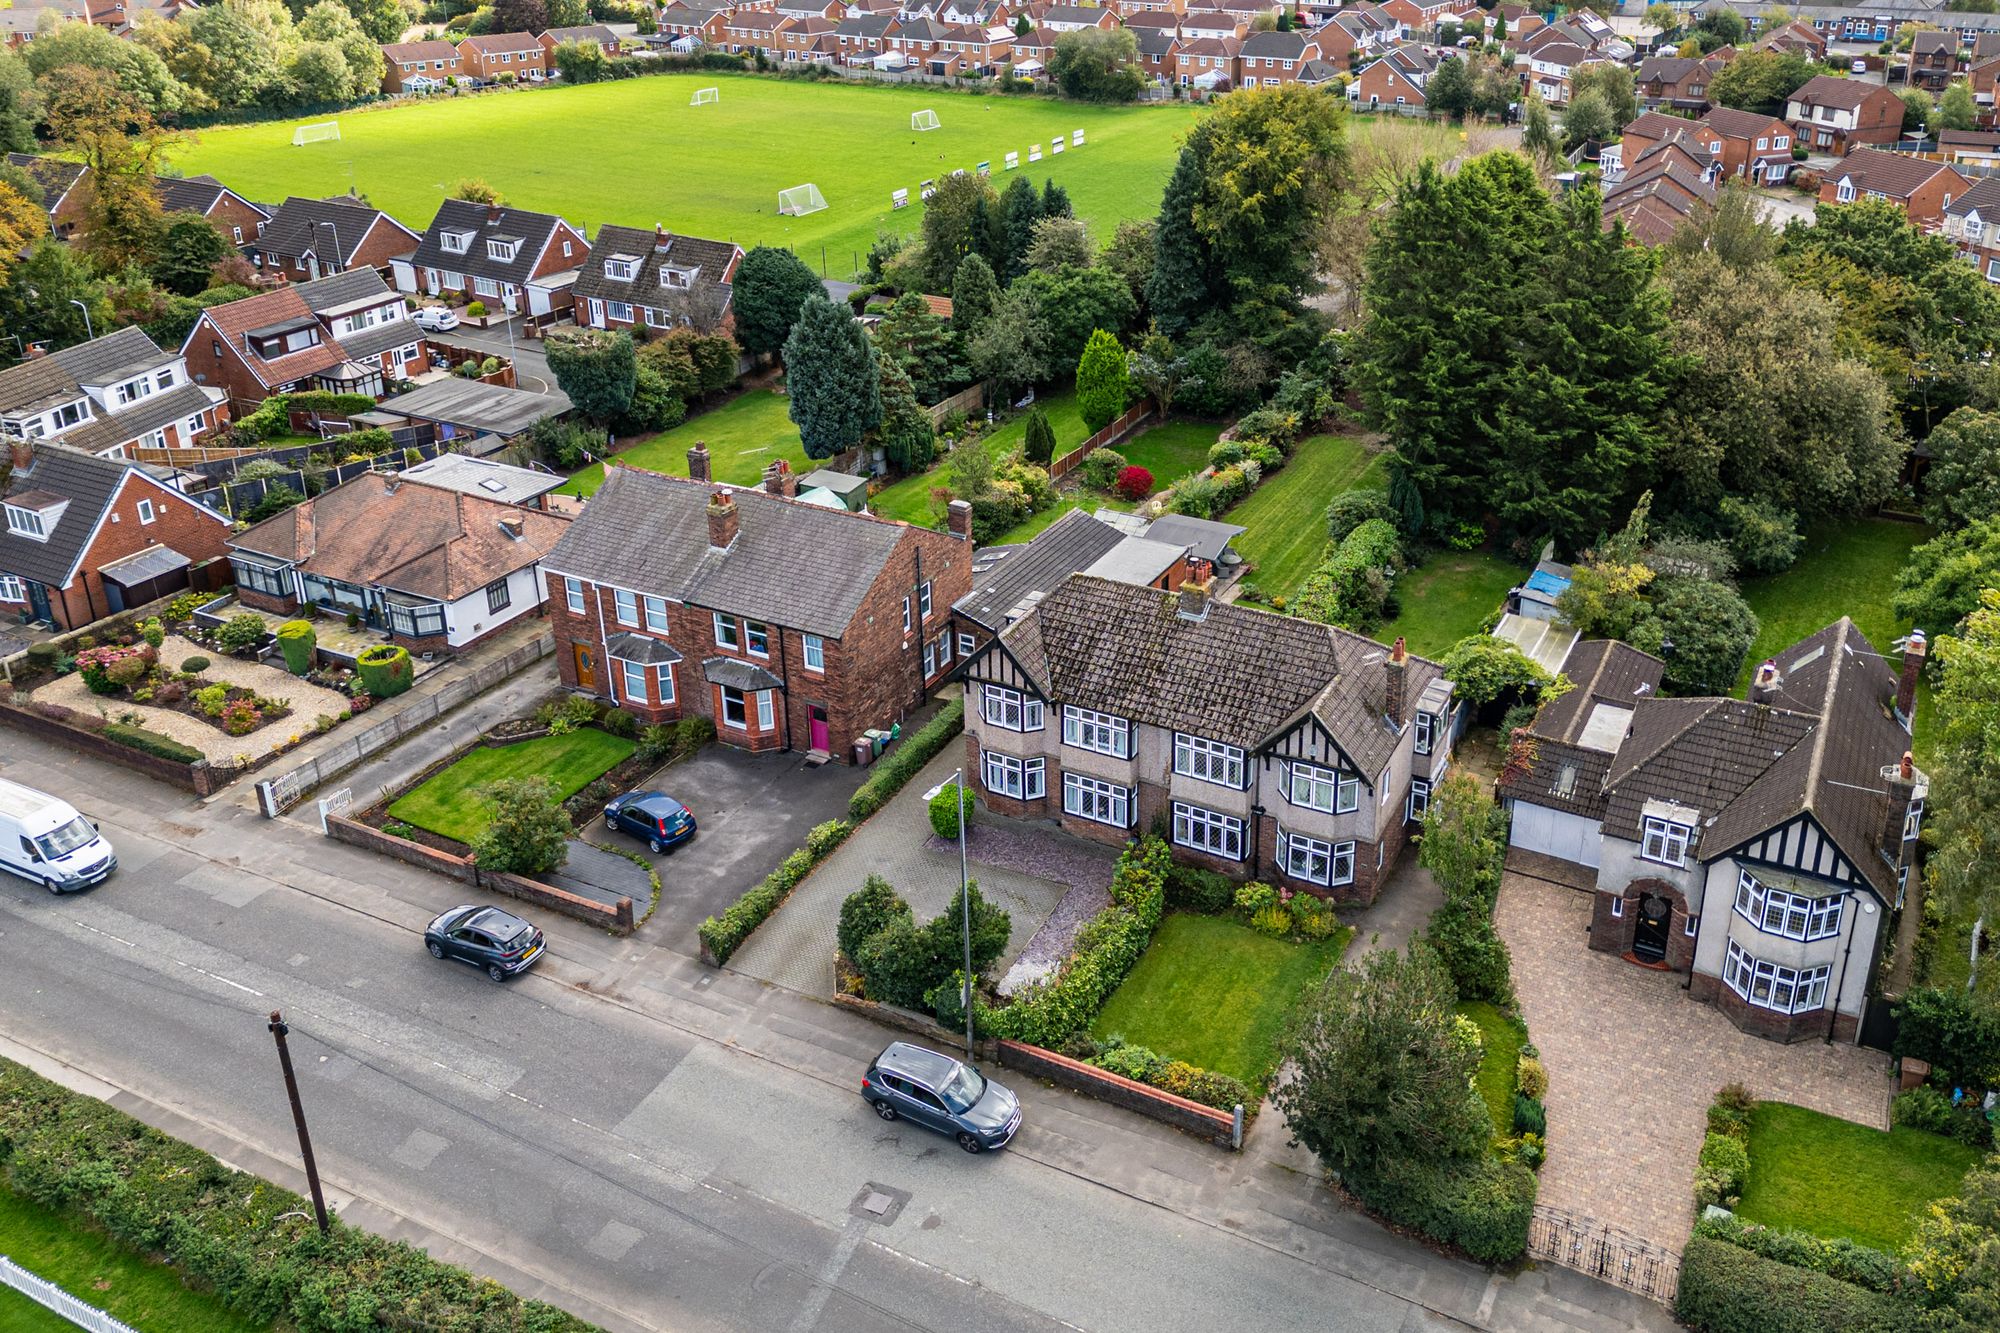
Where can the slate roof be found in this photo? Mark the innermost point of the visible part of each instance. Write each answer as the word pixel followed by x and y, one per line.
pixel 1239 676
pixel 113 357
pixel 738 674
pixel 39 383
pixel 421 540
pixel 642 649
pixel 148 414
pixel 55 176
pixel 1002 576
pixel 713 262
pixel 193 194
pixel 1895 175
pixel 300 224
pixel 90 484
pixel 649 533
pixel 532 229
pixel 1983 198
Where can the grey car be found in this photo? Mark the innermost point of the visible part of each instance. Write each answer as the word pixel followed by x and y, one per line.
pixel 907 1082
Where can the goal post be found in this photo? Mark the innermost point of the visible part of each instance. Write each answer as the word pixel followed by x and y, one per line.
pixel 703 96
pixel 801 200
pixel 923 120
pixel 305 134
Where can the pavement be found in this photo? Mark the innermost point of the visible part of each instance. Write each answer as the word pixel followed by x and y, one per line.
pixel 648 1142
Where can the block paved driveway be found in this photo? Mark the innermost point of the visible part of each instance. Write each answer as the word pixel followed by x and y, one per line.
pixel 1633 1064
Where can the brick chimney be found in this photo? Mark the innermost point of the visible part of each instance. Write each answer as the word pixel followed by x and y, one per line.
pixel 958 517
pixel 36 351
pixel 1194 600
pixel 1902 790
pixel 698 462
pixel 21 454
pixel 492 214
pixel 1764 686
pixel 1914 651
pixel 662 242
pixel 779 479
pixel 1396 674
pixel 721 520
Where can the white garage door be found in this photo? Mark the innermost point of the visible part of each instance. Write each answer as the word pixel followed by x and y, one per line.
pixel 1556 833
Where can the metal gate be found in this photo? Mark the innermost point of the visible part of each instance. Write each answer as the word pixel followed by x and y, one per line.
pixel 334 804
pixel 1605 1253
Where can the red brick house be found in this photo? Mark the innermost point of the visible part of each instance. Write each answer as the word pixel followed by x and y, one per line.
pixel 602 37
pixel 791 626
pixel 311 238
pixel 1395 79
pixel 1972 221
pixel 233 215
pixel 1830 115
pixel 419 66
pixel 1795 37
pixel 1208 62
pixel 500 256
pixel 656 279
pixel 511 53
pixel 346 334
pixel 86 536
pixel 1675 81
pixel 749 30
pixel 1933 59
pixel 701 21
pixel 1749 144
pixel 1923 188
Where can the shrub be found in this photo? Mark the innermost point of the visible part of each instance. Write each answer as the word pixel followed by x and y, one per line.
pixel 1928 1109
pixel 241 632
pixel 1462 933
pixel 1482 1204
pixel 296 641
pixel 1840 1258
pixel 527 831
pixel 1763 538
pixel 1730 1112
pixel 211 698
pixel 1530 1117
pixel 1956 1032
pixel 240 717
pixel 1254 898
pixel 98 665
pixel 1272 919
pixel 1721 1170
pixel 1134 482
pixel 1532 1151
pixel 152 742
pixel 1137 1063
pixel 1727 1289
pixel 1223 453
pixel 620 723
pixel 385 669
pixel 44 656
pixel 195 665
pixel 184 606
pixel 1313 917
pixel 1198 496
pixel 1351 586
pixel 1269 426
pixel 903 963
pixel 903 763
pixel 867 911
pixel 1205 891
pixel 723 935
pixel 945 810
pixel 1100 468
pixel 1530 1078
pixel 128 671
pixel 478 311
pixel 153 632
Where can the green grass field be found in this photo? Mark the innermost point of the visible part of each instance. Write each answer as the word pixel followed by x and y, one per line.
pixel 634 152
pixel 1215 993
pixel 910 498
pixel 448 804
pixel 743 435
pixel 1839 1179
pixel 1286 516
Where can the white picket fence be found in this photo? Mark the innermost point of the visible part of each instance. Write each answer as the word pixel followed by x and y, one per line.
pixel 47 1294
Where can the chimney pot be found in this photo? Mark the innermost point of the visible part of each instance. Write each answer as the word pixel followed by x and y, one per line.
pixel 1902 791
pixel 779 479
pixel 958 517
pixel 698 467
pixel 1194 600
pixel 1396 681
pixel 722 520
pixel 1914 650
pixel 36 351
pixel 1764 687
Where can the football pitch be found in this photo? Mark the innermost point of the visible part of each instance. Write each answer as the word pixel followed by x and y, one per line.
pixel 635 152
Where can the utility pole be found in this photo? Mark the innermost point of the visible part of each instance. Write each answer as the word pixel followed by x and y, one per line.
pixel 278 1030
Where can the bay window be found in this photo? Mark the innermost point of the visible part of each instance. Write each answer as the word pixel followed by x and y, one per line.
pixel 1324 789
pixel 635 682
pixel 1769 986
pixel 1314 860
pixel 1792 915
pixel 1009 708
pixel 1022 779
pixel 1095 799
pixel 1208 761
pixel 1098 732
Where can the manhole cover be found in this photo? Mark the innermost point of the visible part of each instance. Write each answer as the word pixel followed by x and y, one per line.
pixel 880 1204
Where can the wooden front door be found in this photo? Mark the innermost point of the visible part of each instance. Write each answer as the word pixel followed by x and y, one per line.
pixel 586 668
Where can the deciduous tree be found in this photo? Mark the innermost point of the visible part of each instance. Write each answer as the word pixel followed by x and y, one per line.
pixel 1070 304
pixel 526 830
pixel 1940 584
pixel 596 369
pixel 1059 243
pixel 1962 484
pixel 974 296
pixel 957 222
pixel 190 247
pixel 1097 65
pixel 832 378
pixel 1012 350
pixel 1964 861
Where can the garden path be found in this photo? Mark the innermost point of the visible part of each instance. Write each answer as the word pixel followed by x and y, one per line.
pixel 1633 1064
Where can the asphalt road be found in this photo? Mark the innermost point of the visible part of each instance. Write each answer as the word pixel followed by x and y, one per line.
pixel 531 366
pixel 650 1143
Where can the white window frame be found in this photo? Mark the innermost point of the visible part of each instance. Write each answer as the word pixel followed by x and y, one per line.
pixel 26 523
pixel 1209 761
pixel 733 639
pixel 1315 860
pixel 1316 787
pixel 756 638
pixel 1017 779
pixel 906 615
pixel 655 611
pixel 1426 726
pixel 1665 841
pixel 146 514
pixel 1783 990
pixel 619 310
pixel 1208 831
pixel 1793 916
pixel 1100 733
pixel 1913 820
pixel 812 649
pixel 630 672
pixel 1418 801
pixel 1010 709
pixel 924 599
pixel 767 716
pixel 12 589
pixel 741 722
pixel 573 595
pixel 930 660
pixel 626 607
pixel 1097 800
pixel 966 643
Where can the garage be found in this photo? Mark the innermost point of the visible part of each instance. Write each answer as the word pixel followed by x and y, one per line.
pixel 1556 833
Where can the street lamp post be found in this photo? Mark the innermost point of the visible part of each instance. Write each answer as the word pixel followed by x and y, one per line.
pixel 88 331
pixel 279 1029
pixel 965 902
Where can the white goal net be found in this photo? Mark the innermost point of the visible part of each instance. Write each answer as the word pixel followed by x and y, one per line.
pixel 923 120
pixel 703 96
pixel 304 134
pixel 801 200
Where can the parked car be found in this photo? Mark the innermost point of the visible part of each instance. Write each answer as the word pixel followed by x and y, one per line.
pixel 1858 67
pixel 653 817
pixel 498 943
pixel 938 1092
pixel 435 318
pixel 45 841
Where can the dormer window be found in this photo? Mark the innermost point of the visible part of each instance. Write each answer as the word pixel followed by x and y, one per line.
pixel 621 268
pixel 133 390
pixel 502 250
pixel 678 278
pixel 1844 192
pixel 34 524
pixel 455 242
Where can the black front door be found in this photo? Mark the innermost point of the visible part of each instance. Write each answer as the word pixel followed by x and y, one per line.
pixel 1649 936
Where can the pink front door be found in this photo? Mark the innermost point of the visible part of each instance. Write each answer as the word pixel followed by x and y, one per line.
pixel 817 728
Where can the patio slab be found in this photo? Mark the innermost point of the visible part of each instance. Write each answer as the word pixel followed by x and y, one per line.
pixel 329 631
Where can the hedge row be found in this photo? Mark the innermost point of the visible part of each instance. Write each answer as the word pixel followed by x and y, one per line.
pixel 1849 1261
pixel 1727 1289
pixel 229 1233
pixel 1480 1204
pixel 724 935
pixel 903 762
pixel 152 742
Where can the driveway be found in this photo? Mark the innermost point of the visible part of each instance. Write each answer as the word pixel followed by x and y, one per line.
pixel 753 810
pixel 531 367
pixel 1633 1064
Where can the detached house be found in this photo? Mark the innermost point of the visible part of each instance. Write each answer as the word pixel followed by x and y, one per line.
pixel 1757 845
pixel 419 67
pixel 1924 189
pixel 1395 79
pixel 109 396
pixel 86 536
pixel 1675 81
pixel 595 34
pixel 494 254
pixel 205 196
pixel 1972 221
pixel 345 334
pixel 792 626
pixel 514 54
pixel 1933 59
pixel 656 279
pixel 1832 115
pixel 1273 58
pixel 1795 38
pixel 1271 748
pixel 310 238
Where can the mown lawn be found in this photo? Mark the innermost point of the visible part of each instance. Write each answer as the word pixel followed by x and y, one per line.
pixel 1838 1179
pixel 910 498
pixel 1171 451
pixel 94 1268
pixel 1215 993
pixel 1449 596
pixel 743 435
pixel 713 170
pixel 448 803
pixel 1503 1038
pixel 1285 517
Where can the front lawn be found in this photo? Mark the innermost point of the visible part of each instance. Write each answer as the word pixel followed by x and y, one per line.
pixel 1501 1039
pixel 1449 596
pixel 448 803
pixel 1215 993
pixel 1285 517
pixel 743 435
pixel 94 1268
pixel 1835 1178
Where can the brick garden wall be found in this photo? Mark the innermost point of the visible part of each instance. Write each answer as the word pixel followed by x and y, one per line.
pixel 1201 1121
pixel 618 920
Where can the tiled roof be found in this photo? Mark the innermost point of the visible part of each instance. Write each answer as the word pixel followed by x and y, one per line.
pixel 398 52
pixel 192 194
pixel 532 229
pixel 263 310
pixel 494 43
pixel 88 483
pixel 589 32
pixel 112 357
pixel 1667 69
pixel 1896 175
pixel 713 263
pixel 37 382
pixel 1003 576
pixel 1983 198
pixel 148 414
pixel 1278 45
pixel 1733 124
pixel 301 224
pixel 56 177
pixel 1826 90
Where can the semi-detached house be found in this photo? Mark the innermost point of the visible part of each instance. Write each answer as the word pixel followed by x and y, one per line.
pixel 517 259
pixel 346 334
pixel 311 238
pixel 656 279
pixel 419 67
pixel 1270 748
pixel 109 396
pixel 516 55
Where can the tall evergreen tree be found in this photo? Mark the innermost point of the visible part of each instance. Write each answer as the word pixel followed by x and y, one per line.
pixel 918 341
pixel 1538 127
pixel 1103 381
pixel 1180 291
pixel 1449 91
pixel 833 378
pixel 974 295
pixel 906 434
pixel 1021 209
pixel 770 286
pixel 1055 200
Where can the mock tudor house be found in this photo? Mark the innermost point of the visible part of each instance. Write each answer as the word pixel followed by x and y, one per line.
pixel 347 334
pixel 1830 115
pixel 791 625
pixel 435 567
pixel 493 253
pixel 86 537
pixel 310 238
pixel 657 279
pixel 1757 845
pixel 109 396
pixel 1269 748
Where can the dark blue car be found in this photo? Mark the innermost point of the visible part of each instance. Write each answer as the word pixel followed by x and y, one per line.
pixel 653 817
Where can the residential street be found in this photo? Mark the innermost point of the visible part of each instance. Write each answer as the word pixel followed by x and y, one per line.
pixel 648 1142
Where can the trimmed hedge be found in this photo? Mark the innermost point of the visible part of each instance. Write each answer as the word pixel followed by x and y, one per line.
pixel 1725 1289
pixel 386 669
pixel 1840 1258
pixel 227 1232
pixel 902 763
pixel 296 641
pixel 724 935
pixel 1480 1204
pixel 152 742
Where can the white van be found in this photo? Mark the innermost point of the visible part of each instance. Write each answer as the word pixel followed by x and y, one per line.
pixel 45 840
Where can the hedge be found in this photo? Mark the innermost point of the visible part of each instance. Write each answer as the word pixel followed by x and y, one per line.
pixel 724 935
pixel 152 742
pixel 386 669
pixel 229 1233
pixel 296 641
pixel 1725 1289
pixel 901 764
pixel 1480 1204
pixel 1849 1261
